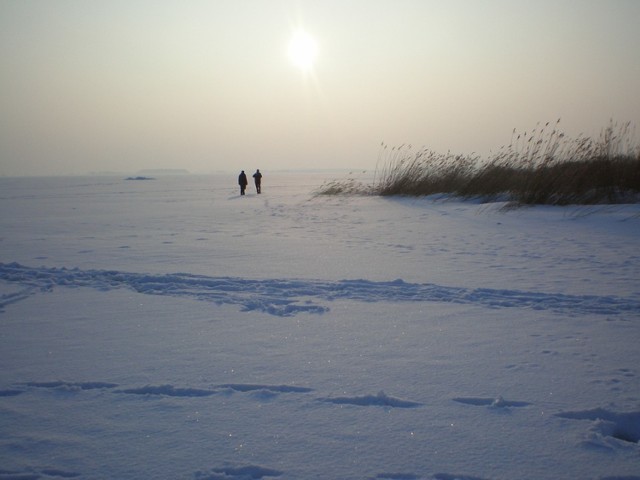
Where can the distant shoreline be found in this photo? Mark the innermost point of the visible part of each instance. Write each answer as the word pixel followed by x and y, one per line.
pixel 178 173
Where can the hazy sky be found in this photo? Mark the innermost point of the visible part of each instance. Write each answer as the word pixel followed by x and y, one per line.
pixel 206 85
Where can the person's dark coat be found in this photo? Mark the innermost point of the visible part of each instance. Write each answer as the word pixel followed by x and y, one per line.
pixel 258 179
pixel 242 181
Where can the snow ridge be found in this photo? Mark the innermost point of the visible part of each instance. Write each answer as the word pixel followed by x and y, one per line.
pixel 288 297
pixel 607 424
pixel 250 472
pixel 381 399
pixel 498 402
pixel 167 390
pixel 608 429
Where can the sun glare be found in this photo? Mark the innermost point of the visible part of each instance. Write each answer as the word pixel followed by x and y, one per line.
pixel 303 50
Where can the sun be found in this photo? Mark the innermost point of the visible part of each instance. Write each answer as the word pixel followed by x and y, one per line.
pixel 303 50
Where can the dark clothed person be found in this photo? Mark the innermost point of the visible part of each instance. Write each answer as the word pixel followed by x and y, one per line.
pixel 258 179
pixel 242 181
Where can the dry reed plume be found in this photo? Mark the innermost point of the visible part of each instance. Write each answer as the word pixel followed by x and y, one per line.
pixel 540 167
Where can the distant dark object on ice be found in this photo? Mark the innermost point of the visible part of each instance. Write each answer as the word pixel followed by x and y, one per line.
pixel 139 178
pixel 163 171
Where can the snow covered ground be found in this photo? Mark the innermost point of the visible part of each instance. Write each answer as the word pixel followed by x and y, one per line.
pixel 172 329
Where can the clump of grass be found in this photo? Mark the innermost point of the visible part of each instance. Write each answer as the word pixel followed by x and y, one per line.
pixel 422 172
pixel 542 167
pixel 547 167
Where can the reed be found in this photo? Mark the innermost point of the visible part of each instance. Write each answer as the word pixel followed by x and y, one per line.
pixel 543 166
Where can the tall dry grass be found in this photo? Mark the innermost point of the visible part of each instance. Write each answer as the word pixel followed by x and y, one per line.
pixel 543 166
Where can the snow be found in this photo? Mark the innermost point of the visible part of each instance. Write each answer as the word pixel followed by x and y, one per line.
pixel 173 329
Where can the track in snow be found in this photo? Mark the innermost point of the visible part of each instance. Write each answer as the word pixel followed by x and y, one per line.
pixel 288 297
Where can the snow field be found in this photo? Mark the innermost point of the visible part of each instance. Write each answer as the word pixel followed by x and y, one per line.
pixel 170 329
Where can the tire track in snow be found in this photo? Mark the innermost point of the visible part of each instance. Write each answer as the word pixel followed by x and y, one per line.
pixel 288 297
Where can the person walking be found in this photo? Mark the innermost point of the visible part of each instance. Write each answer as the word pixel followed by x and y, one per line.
pixel 258 179
pixel 242 181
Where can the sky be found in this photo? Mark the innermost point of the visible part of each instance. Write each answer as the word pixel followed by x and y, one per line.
pixel 210 86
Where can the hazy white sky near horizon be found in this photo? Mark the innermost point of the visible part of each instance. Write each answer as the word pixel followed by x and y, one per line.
pixel 124 85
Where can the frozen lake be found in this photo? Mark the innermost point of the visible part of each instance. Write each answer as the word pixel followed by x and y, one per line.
pixel 173 329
